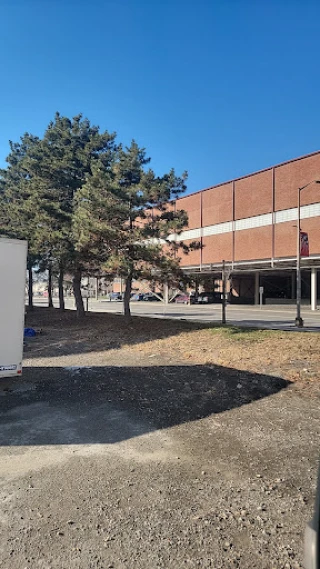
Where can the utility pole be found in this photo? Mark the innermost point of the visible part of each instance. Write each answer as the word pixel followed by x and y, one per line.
pixel 299 320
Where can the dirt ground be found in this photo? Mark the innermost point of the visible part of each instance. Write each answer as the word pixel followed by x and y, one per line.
pixel 157 445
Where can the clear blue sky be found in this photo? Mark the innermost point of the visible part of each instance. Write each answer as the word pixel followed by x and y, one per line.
pixel 220 88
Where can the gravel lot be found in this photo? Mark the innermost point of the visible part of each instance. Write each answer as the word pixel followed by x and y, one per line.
pixel 117 457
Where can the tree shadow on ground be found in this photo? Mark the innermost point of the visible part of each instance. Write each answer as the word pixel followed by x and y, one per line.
pixel 57 406
pixel 63 333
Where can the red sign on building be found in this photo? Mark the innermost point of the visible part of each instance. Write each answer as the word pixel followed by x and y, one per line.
pixel 304 244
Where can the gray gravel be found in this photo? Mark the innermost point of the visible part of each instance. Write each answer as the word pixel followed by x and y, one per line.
pixel 155 466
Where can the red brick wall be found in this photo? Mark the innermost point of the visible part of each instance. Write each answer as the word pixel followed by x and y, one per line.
pixel 286 237
pixel 217 205
pixel 294 175
pixel 217 248
pixel 191 204
pixel 253 195
pixel 253 244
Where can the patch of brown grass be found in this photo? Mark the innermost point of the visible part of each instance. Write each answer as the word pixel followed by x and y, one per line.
pixel 291 355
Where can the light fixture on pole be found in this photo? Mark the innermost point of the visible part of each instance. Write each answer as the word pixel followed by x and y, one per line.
pixel 299 320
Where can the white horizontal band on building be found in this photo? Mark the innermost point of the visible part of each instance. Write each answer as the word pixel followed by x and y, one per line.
pixel 263 220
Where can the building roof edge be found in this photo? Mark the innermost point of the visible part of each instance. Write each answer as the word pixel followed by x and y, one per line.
pixel 252 174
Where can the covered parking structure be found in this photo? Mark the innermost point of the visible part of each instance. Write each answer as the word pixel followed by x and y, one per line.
pixel 272 281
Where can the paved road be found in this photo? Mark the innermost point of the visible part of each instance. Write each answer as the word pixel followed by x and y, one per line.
pixel 270 317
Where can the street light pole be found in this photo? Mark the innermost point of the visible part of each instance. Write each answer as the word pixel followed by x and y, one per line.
pixel 299 320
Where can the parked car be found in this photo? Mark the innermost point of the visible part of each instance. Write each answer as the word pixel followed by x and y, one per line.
pixel 208 297
pixel 116 296
pixel 149 296
pixel 182 299
pixel 137 297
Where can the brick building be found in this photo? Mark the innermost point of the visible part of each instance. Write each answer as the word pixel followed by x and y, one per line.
pixel 251 224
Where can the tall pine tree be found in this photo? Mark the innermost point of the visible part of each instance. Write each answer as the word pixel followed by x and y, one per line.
pixel 19 202
pixel 147 222
pixel 63 160
pixel 86 204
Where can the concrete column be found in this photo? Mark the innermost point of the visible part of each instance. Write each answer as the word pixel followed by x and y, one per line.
pixel 256 287
pixel 314 291
pixel 166 293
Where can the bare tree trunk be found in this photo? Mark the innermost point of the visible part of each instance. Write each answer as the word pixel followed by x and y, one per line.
pixel 30 287
pixel 50 301
pixel 60 286
pixel 97 288
pixel 126 298
pixel 76 284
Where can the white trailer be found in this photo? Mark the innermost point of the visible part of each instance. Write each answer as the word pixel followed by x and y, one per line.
pixel 13 264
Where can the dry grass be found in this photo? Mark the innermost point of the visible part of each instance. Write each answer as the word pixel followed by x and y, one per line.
pixel 291 355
